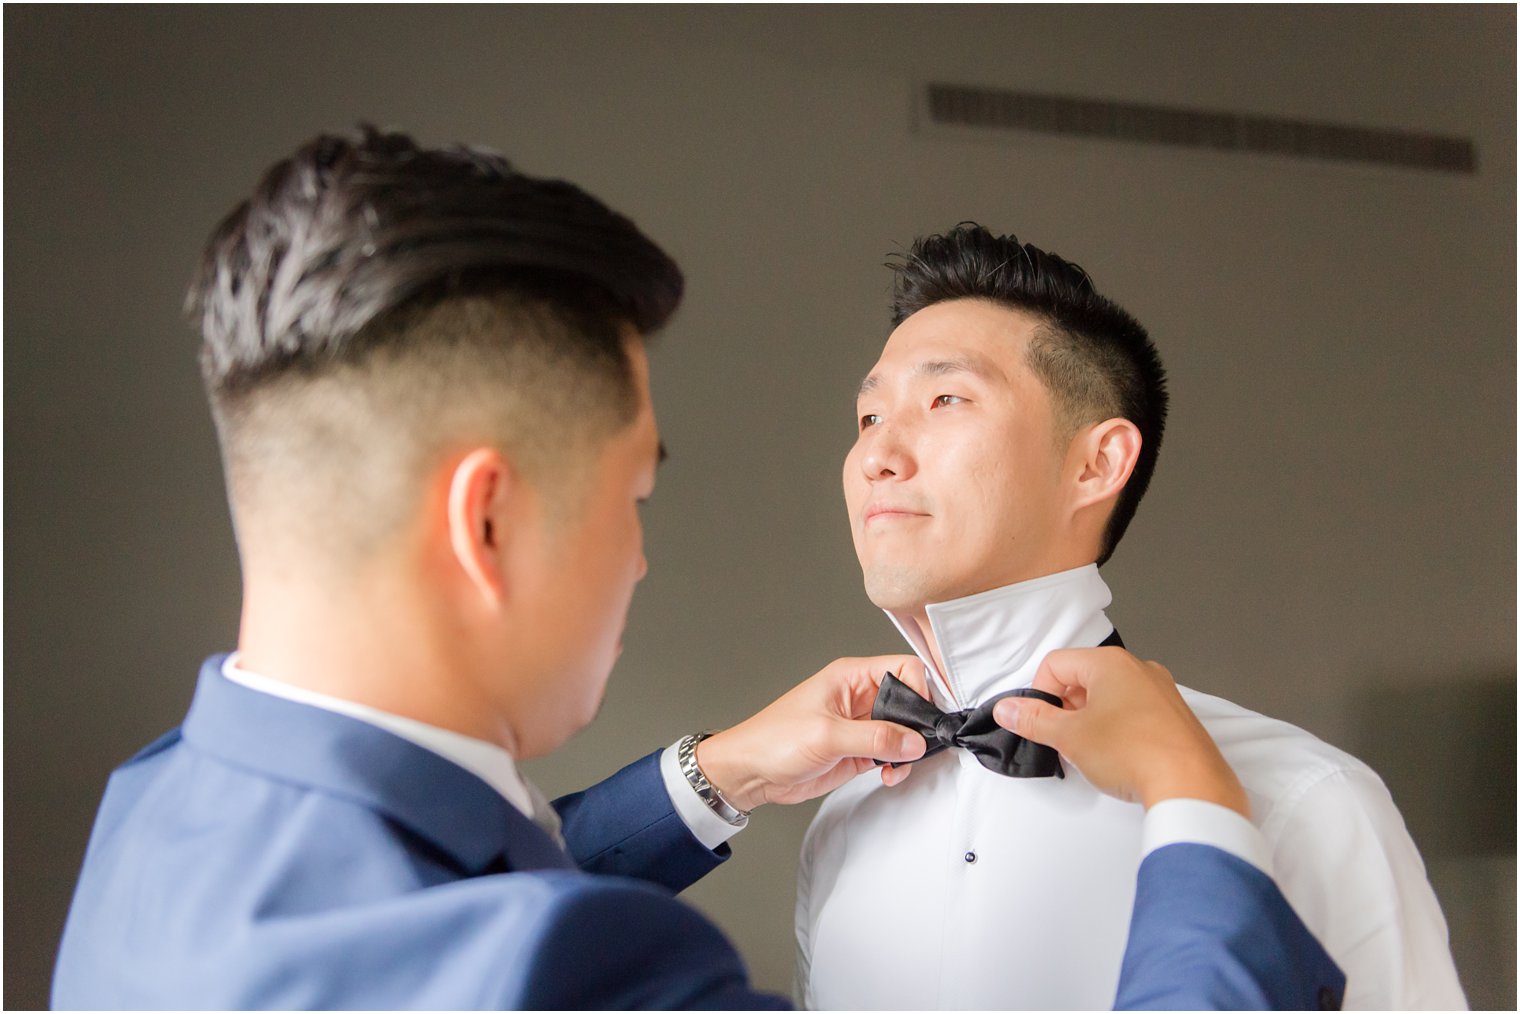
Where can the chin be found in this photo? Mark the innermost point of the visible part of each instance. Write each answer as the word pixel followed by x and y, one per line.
pixel 545 742
pixel 554 730
pixel 895 589
pixel 904 589
pixel 591 706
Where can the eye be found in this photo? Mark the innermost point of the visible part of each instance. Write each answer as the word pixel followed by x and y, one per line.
pixel 947 399
pixel 869 420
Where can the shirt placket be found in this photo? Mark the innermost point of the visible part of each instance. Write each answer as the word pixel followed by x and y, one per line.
pixel 960 862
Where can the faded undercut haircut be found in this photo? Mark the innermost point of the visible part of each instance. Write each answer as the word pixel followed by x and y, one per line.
pixel 376 305
pixel 1094 358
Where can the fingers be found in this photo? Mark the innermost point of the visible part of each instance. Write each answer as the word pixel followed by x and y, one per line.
pixel 1071 672
pixel 885 741
pixel 862 679
pixel 912 672
pixel 1032 719
pixel 1066 670
pixel 1159 674
pixel 895 775
pixel 906 668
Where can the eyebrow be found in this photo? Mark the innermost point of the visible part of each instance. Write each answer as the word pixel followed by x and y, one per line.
pixel 975 365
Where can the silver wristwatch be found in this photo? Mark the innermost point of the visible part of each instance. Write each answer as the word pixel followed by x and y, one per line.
pixel 686 756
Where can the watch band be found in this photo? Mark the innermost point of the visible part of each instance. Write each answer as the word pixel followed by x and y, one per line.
pixel 686 757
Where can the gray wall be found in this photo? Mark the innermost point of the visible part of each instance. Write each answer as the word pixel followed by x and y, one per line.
pixel 1329 538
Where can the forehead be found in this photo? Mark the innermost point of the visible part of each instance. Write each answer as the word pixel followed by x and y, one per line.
pixel 973 331
pixel 634 446
pixel 638 361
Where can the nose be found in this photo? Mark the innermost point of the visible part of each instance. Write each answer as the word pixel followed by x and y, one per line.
pixel 886 453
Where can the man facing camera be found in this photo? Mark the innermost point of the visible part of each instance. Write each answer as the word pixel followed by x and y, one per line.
pixel 1006 436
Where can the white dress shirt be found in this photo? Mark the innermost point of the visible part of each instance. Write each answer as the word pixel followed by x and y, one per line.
pixel 488 761
pixel 1017 891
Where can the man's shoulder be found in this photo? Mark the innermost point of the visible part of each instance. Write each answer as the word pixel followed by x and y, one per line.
pixel 1277 761
pixel 273 894
pixel 1262 741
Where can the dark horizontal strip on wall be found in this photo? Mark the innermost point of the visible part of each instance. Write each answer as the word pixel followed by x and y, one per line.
pixel 1122 121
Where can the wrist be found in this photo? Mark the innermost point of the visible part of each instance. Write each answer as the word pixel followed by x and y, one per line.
pixel 1210 783
pixel 724 767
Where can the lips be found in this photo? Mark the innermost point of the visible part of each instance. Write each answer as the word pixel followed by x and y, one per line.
pixel 885 511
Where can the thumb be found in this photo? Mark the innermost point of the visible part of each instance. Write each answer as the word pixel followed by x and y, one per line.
pixel 1032 719
pixel 885 741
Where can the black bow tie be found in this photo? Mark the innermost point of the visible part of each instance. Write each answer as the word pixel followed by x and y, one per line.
pixel 975 730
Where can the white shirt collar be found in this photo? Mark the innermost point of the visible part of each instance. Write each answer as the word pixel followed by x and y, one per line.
pixel 994 641
pixel 486 761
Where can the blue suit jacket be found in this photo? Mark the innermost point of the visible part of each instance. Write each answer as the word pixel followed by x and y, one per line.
pixel 270 854
pixel 1212 932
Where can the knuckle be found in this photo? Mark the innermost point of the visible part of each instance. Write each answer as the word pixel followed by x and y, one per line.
pixel 818 740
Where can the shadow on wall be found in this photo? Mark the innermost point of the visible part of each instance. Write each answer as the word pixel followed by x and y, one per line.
pixel 1446 749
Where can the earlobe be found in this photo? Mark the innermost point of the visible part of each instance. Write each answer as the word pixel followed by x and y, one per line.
pixel 1110 450
pixel 478 490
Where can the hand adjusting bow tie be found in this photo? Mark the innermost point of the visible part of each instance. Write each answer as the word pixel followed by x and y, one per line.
pixel 995 747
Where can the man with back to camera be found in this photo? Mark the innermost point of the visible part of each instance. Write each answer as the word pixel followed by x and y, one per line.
pixel 1005 437
pixel 429 383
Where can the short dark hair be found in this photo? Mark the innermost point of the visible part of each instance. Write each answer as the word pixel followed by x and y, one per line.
pixel 1096 359
pixel 373 294
pixel 349 230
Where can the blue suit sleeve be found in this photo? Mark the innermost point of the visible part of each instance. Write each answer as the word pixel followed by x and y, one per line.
pixel 627 826
pixel 1212 932
pixel 660 955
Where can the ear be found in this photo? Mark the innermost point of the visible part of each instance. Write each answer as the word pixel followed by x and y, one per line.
pixel 1105 456
pixel 481 489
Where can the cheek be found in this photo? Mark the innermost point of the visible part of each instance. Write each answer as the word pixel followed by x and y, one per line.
pixel 632 564
pixel 988 486
pixel 972 472
pixel 622 554
pixel 610 558
pixel 851 476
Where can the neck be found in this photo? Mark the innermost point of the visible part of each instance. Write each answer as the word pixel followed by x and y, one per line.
pixel 370 637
